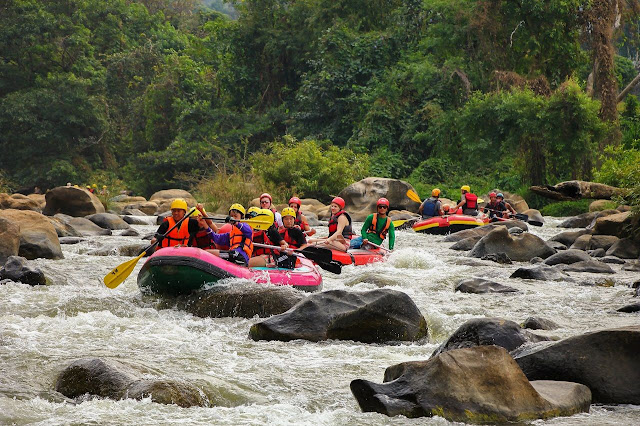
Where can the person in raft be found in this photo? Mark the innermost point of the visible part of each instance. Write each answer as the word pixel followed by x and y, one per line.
pixel 469 201
pixel 264 256
pixel 266 203
pixel 239 238
pixel 431 206
pixel 301 221
pixel 340 230
pixel 182 235
pixel 508 210
pixel 293 236
pixel 376 227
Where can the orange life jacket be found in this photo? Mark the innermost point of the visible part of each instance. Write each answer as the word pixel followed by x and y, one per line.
pixel 291 241
pixel 178 236
pixel 374 225
pixel 237 239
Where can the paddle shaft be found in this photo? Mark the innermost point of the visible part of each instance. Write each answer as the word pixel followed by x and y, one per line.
pixel 380 247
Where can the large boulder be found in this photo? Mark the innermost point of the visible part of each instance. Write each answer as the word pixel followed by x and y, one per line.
pixel 62 228
pixel 615 224
pixel 147 207
pixel 241 300
pixel 17 269
pixel 376 316
pixel 9 238
pixel 567 257
pixel 520 248
pixel 568 237
pixel 83 226
pixel 624 248
pixel 108 221
pixel 361 197
pixel 475 385
pixel 594 242
pixel 481 285
pixel 586 220
pixel 38 238
pixel 578 189
pixel 18 202
pixel 606 361
pixel 71 201
pixel 165 197
pixel 488 331
pixel 540 272
pixel 481 231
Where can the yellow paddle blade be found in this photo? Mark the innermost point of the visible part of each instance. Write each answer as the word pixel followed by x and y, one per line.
pixel 258 223
pixel 480 200
pixel 414 196
pixel 120 273
pixel 399 222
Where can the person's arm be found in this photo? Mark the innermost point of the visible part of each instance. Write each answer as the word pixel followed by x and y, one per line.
pixel 306 227
pixel 392 235
pixel 421 208
pixel 365 226
pixel 511 209
pixel 164 227
pixel 438 209
pixel 342 222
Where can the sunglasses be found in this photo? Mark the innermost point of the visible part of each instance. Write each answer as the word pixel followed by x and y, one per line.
pixel 384 207
pixel 265 202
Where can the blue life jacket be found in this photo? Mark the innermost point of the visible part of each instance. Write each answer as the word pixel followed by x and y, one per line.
pixel 429 209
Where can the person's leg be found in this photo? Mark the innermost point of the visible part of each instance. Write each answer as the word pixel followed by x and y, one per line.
pixel 356 243
pixel 257 261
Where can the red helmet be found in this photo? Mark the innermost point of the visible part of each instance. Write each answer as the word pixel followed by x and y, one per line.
pixel 295 200
pixel 266 195
pixel 339 201
pixel 382 202
pixel 493 194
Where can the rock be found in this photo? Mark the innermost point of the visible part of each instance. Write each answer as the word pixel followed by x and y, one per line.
pixel 244 301
pixel 130 233
pixel 599 205
pixel 594 242
pixel 9 238
pixel 63 229
pixel 165 197
pixel 148 208
pixel 534 215
pixel 475 385
pixel 581 243
pixel 312 218
pixel 581 221
pixel 568 237
pixel 634 307
pixel 488 331
pixel 556 245
pixel 126 199
pixel 18 202
pixel 16 269
pixel 592 266
pixel 606 361
pixel 625 248
pixel 38 237
pixel 133 212
pixel 567 257
pixel 536 260
pixel 480 285
pixel 134 220
pixel 632 266
pixel 466 244
pixel 578 189
pixel 181 394
pixel 132 249
pixel 71 201
pixel 484 230
pixel 540 272
pixel 500 258
pixel 161 217
pixel 361 197
pixel 612 259
pixel 40 200
pixel 375 316
pixel 599 252
pixel 108 221
pixel 520 248
pixel 537 323
pixel 83 226
pixel 70 240
pixel 515 231
pixel 614 224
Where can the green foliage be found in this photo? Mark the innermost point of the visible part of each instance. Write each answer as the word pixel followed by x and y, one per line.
pixel 621 167
pixel 625 71
pixel 566 208
pixel 310 168
pixel 630 123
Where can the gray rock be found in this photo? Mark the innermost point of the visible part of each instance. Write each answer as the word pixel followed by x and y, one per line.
pixel 174 392
pixel 581 221
pixel 556 245
pixel 540 272
pixel 466 244
pixel 632 266
pixel 536 260
pixel 634 307
pixel 613 259
pixel 135 220
pixel 481 231
pixel 17 269
pixel 599 252
pixel 537 323
pixel 130 233
pixel 501 258
pixel 625 248
pixel 85 227
pixel 589 266
pixel 480 285
pixel 567 257
pixel 133 212
pixel 569 237
pixel 581 243
pixel 521 248
pixel 515 231
pixel 71 240
pixel 108 221
pixel 63 229
pixel 71 201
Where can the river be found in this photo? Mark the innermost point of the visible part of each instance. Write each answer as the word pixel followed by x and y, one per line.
pixel 44 328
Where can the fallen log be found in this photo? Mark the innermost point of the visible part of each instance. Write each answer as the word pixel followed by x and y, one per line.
pixel 574 190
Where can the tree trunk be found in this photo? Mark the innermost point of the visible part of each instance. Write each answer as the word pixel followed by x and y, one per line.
pixel 629 87
pixel 603 15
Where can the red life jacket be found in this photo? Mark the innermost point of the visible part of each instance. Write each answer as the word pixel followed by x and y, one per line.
pixel 237 239
pixel 203 239
pixel 347 232
pixel 472 201
pixel 178 236
pixel 374 225
pixel 262 238
pixel 291 241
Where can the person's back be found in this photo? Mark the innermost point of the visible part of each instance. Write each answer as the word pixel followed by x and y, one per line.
pixel 470 204
pixel 431 207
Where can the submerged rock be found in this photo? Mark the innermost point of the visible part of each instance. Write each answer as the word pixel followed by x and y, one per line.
pixel 634 307
pixel 501 258
pixel 592 266
pixel 480 285
pixel 541 272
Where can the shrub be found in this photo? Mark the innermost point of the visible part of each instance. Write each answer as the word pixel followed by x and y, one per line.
pixel 621 167
pixel 566 208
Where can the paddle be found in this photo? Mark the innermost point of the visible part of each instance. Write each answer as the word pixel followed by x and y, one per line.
pixel 520 216
pixel 315 253
pixel 260 222
pixel 120 273
pixel 414 196
pixel 380 247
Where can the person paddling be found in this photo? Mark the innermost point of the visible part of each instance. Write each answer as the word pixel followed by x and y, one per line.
pixel 431 206
pixel 376 227
pixel 264 256
pixel 239 238
pixel 468 202
pixel 266 203
pixel 184 234
pixel 493 207
pixel 301 221
pixel 340 230
pixel 293 236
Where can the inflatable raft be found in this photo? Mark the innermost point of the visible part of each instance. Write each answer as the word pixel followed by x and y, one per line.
pixel 181 270
pixel 448 224
pixel 358 256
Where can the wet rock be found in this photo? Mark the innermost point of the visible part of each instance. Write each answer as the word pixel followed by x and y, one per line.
pixel 615 224
pixel 139 220
pixel 488 331
pixel 581 243
pixel 108 221
pixel 481 384
pixel 17 269
pixel 63 229
pixel 625 248
pixel 18 202
pixel 613 259
pixel 179 393
pixel 593 242
pixel 556 245
pixel 636 286
pixel 85 227
pixel 468 262
pixel 72 201
pixel 245 301
pixel 567 257
pixel 375 316
pixel 71 240
pixel 480 285
pixel 9 238
pixel 606 361
pixel 165 197
pixel 634 307
pixel 361 197
pixel 149 236
pixel 500 258
pixel 569 237
pixel 133 212
pixel 38 237
pixel 599 252
pixel 540 272
pixel 481 231
pixel 632 266
pixel 130 233
pixel 534 215
pixel 515 231
pixel 538 323
pixel 521 248
pixel 536 260
pixel 466 244
pixel 581 221
pixel 148 208
pixel 162 216
pixel 592 266
pixel 132 249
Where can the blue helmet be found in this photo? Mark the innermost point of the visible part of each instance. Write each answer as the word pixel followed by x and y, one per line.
pixel 500 195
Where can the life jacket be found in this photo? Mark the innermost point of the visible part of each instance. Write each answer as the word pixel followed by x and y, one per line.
pixel 178 236
pixel 203 239
pixel 262 238
pixel 237 239
pixel 298 220
pixel 291 241
pixel 347 232
pixel 223 230
pixel 471 201
pixel 429 209
pixel 374 225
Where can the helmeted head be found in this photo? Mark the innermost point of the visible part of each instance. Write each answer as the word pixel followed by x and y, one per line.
pixel 265 201
pixel 465 188
pixel 382 205
pixel 500 195
pixel 178 209
pixel 435 192
pixel 337 204
pixel 94 186
pixel 267 212
pixel 288 217
pixel 295 203
pixel 492 196
pixel 253 211
pixel 237 211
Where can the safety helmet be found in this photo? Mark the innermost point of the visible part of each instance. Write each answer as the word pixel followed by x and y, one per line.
pixel 266 195
pixel 288 211
pixel 94 185
pixel 500 195
pixel 253 211
pixel 493 194
pixel 339 201
pixel 104 186
pixel 89 186
pixel 179 203
pixel 266 212
pixel 238 207
pixel 382 202
pixel 295 200
pixel 465 188
pixel 435 192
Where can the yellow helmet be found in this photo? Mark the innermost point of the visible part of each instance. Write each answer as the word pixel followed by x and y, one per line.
pixel 288 211
pixel 104 186
pixel 237 206
pixel 266 212
pixel 179 203
pixel 252 210
pixel 465 188
pixel 435 192
pixel 94 185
